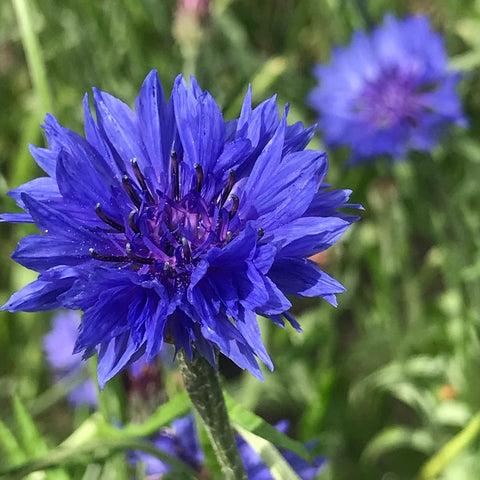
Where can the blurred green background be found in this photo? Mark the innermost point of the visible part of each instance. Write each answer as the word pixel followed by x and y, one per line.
pixel 389 378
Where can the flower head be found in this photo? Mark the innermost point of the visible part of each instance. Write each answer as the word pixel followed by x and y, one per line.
pixel 170 224
pixel 388 91
pixel 181 441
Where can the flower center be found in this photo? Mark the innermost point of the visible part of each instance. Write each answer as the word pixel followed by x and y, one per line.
pixel 390 99
pixel 166 235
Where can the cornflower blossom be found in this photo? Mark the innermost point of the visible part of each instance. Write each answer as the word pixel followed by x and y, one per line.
pixel 168 223
pixel 181 441
pixel 388 92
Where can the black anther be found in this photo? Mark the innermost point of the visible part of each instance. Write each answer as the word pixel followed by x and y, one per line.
pixel 199 179
pixel 176 179
pixel 133 256
pixel 235 203
pixel 261 233
pixel 228 187
pixel 141 180
pixel 131 221
pixel 109 221
pixel 186 250
pixel 107 258
pixel 127 185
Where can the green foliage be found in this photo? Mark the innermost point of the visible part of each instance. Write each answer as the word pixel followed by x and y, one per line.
pixel 388 381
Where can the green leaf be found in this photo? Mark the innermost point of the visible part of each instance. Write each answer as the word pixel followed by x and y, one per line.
pixel 95 426
pixel 177 406
pixel 396 437
pixel 96 439
pixel 34 444
pixel 94 451
pixel 252 423
pixel 279 467
pixel 9 444
pixel 459 442
pixel 32 441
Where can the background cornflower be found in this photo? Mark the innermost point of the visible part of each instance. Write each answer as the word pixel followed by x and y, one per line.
pixel 389 91
pixel 181 441
pixel 58 344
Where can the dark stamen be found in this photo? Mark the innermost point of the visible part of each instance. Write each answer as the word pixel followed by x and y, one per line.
pixel 199 180
pixel 235 203
pixel 141 180
pixel 109 221
pixel 167 269
pixel 131 221
pixel 133 256
pixel 169 249
pixel 228 187
pixel 176 179
pixel 127 185
pixel 229 236
pixel 107 258
pixel 261 233
pixel 186 250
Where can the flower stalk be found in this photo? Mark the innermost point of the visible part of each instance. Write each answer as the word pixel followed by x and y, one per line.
pixel 203 386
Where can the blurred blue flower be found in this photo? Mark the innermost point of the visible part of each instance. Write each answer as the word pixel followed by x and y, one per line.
pixel 58 345
pixel 170 224
pixel 388 91
pixel 181 441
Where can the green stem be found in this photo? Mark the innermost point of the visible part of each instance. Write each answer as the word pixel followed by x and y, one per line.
pixel 203 385
pixel 463 439
pixel 23 11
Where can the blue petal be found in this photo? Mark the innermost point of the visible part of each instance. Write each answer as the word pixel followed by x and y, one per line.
pixel 301 277
pixel 247 324
pixel 118 125
pixel 231 343
pixel 269 199
pixel 16 218
pixel 200 126
pixel 43 294
pixel 308 235
pixel 42 188
pixel 40 253
pixel 115 355
pixel 46 159
pixel 156 124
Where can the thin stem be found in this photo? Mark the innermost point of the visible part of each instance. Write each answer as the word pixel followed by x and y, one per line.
pixel 203 385
pixel 463 439
pixel 31 45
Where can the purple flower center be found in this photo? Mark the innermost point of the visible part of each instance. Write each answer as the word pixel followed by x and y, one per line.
pixel 390 99
pixel 167 235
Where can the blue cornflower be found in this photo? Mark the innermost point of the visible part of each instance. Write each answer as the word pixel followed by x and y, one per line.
pixel 58 345
pixel 170 224
pixel 388 91
pixel 181 441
